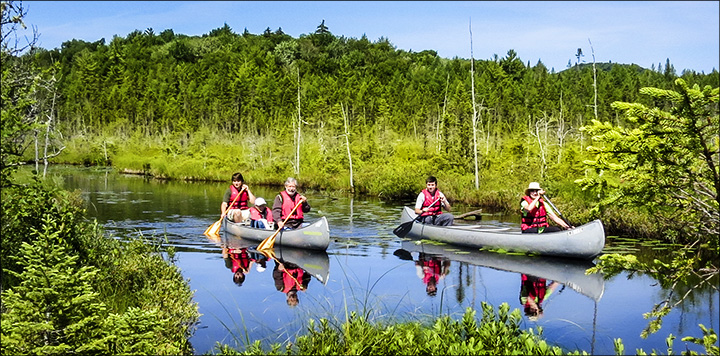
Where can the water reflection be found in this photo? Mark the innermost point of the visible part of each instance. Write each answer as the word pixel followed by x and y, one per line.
pixel 567 272
pixel 292 271
pixel 240 262
pixel 365 272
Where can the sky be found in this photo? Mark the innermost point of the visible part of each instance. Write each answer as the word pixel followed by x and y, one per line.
pixel 646 33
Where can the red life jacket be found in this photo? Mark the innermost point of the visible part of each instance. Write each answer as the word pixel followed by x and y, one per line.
pixel 292 279
pixel 433 269
pixel 240 260
pixel 288 204
pixel 536 218
pixel 436 209
pixel 240 203
pixel 535 288
pixel 256 214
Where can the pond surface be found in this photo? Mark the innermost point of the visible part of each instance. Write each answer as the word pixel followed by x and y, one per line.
pixel 369 270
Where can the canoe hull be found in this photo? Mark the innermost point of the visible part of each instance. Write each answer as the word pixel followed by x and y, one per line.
pixel 583 242
pixel 315 236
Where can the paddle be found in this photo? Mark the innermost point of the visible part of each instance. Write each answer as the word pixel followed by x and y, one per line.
pixel 405 227
pixel 214 228
pixel 270 254
pixel 403 254
pixel 556 210
pixel 270 241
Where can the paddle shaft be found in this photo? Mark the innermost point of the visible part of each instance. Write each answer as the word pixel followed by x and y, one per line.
pixel 271 240
pixel 429 206
pixel 556 209
pixel 215 227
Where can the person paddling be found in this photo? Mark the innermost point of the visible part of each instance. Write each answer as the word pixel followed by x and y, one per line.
pixel 429 205
pixel 239 208
pixel 535 211
pixel 284 204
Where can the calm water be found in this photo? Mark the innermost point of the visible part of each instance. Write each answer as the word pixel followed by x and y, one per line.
pixel 370 270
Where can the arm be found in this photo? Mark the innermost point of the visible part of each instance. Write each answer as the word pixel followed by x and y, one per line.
pixel 277 210
pixel 305 206
pixel 419 203
pixel 444 202
pixel 556 219
pixel 251 196
pixel 224 205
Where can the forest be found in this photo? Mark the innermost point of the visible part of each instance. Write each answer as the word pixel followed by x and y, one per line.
pixel 345 114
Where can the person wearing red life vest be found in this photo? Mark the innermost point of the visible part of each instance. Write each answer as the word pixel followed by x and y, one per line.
pixel 261 215
pixel 431 269
pixel 429 205
pixel 533 292
pixel 535 212
pixel 290 278
pixel 239 209
pixel 284 204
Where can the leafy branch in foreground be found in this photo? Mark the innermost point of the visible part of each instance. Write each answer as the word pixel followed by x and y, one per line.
pixel 666 162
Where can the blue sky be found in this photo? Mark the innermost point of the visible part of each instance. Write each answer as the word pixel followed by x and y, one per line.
pixel 642 32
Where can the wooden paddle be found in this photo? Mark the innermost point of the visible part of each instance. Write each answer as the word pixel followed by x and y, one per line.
pixel 214 228
pixel 556 210
pixel 405 227
pixel 269 242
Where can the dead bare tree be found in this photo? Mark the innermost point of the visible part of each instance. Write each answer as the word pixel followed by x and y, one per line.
pixel 347 143
pixel 299 125
pixel 475 115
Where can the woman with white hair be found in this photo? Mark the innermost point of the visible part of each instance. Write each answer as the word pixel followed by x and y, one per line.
pixel 535 211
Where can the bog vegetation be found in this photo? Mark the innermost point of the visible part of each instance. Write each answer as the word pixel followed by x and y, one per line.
pixel 633 146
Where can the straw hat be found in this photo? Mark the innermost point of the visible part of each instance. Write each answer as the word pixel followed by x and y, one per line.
pixel 532 186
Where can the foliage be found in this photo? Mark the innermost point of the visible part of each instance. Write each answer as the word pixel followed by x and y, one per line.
pixel 668 161
pixel 67 288
pixel 496 333
pixel 684 271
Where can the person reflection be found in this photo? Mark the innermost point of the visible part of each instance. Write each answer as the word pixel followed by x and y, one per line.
pixel 431 269
pixel 289 279
pixel 533 292
pixel 239 261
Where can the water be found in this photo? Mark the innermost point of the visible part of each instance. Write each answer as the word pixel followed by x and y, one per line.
pixel 364 270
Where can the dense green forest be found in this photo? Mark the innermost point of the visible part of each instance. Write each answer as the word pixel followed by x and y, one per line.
pixel 342 113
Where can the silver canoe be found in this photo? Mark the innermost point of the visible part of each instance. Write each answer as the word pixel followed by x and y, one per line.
pixel 569 272
pixel 583 242
pixel 314 236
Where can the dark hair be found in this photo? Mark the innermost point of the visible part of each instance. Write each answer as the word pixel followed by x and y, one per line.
pixel 238 176
pixel 239 278
pixel 431 179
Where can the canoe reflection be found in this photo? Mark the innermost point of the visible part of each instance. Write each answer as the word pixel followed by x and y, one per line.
pixel 292 271
pixel 568 272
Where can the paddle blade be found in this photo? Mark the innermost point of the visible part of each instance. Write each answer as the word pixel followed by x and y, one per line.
pixel 403 229
pixel 403 254
pixel 269 242
pixel 214 229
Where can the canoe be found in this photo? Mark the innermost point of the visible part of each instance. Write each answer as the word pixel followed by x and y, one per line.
pixel 314 236
pixel 583 242
pixel 315 262
pixel 567 271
